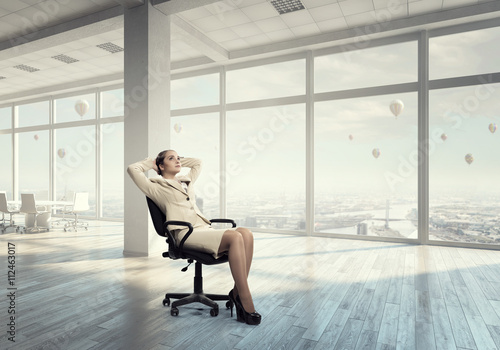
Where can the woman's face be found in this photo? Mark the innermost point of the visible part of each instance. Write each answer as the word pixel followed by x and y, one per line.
pixel 171 164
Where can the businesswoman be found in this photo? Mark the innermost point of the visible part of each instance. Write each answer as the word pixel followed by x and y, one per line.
pixel 174 195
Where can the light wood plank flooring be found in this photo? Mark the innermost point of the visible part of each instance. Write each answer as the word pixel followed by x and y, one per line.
pixel 78 291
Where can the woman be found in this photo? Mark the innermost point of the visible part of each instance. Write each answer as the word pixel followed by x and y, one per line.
pixel 175 196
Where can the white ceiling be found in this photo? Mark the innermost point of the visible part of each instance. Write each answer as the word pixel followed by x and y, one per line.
pixel 32 32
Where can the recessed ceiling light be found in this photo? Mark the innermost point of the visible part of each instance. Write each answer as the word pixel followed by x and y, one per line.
pixel 26 68
pixel 65 59
pixel 110 47
pixel 287 6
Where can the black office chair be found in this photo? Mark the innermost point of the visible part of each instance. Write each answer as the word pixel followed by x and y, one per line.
pixel 176 250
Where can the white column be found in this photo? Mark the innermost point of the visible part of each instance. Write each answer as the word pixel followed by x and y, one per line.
pixel 147 115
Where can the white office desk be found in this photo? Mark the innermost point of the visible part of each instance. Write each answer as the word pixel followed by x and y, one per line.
pixel 42 220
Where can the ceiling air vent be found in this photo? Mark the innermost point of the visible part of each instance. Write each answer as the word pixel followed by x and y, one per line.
pixel 26 68
pixel 110 47
pixel 287 6
pixel 65 59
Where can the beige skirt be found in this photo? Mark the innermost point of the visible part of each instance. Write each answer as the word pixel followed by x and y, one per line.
pixel 203 238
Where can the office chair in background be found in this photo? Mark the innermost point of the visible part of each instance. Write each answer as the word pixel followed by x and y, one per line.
pixel 176 250
pixel 34 213
pixel 80 204
pixel 5 209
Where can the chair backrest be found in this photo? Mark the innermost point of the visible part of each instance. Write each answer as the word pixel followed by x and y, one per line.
pixel 157 216
pixel 4 208
pixel 81 201
pixel 28 205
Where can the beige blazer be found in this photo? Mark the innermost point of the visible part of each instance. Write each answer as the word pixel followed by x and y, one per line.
pixel 169 194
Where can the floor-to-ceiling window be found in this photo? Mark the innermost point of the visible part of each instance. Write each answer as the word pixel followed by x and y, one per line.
pixel 6 151
pixel 195 133
pixel 112 170
pixel 34 148
pixel 112 111
pixel 465 154
pixel 266 145
pixel 34 163
pixel 266 160
pixel 75 163
pixel 365 149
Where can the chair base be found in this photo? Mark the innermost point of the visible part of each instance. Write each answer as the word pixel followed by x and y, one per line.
pixel 4 227
pixel 34 229
pixel 196 297
pixel 75 224
pixel 205 299
pixel 9 223
pixel 75 227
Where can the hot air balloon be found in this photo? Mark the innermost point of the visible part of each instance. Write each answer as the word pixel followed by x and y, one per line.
pixel 81 107
pixel 396 107
pixel 469 158
pixel 444 137
pixel 376 153
pixel 492 127
pixel 61 152
pixel 177 127
pixel 351 137
pixel 36 137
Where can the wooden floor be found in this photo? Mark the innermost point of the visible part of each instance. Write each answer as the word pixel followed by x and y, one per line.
pixel 77 291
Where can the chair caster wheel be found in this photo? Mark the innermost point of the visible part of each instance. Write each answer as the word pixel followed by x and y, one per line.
pixel 214 312
pixel 229 304
pixel 174 311
pixel 166 301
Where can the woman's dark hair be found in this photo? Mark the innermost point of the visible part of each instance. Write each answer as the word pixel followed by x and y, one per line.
pixel 160 158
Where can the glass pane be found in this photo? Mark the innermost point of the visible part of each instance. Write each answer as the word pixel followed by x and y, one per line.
pixel 6 118
pixel 270 81
pixel 461 54
pixel 34 163
pixel 377 66
pixel 266 167
pixel 112 103
pixel 75 163
pixel 366 167
pixel 33 114
pixel 197 91
pixel 75 108
pixel 197 136
pixel 6 156
pixel 464 164
pixel 112 170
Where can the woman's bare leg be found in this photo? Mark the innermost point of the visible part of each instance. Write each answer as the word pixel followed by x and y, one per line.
pixel 237 244
pixel 248 241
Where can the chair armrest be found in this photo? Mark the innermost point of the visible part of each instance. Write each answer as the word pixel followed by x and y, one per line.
pixel 225 221
pixel 41 208
pixel 171 237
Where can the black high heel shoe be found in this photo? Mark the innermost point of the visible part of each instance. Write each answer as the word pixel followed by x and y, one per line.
pixel 231 301
pixel 253 318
